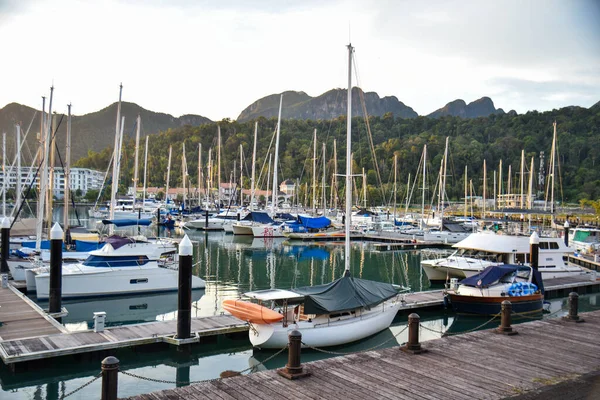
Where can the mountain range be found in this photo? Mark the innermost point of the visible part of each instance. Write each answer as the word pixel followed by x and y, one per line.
pixel 95 131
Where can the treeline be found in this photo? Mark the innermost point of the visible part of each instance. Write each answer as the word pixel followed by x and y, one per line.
pixel 495 138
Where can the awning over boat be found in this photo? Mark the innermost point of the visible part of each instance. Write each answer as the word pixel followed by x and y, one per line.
pixel 117 241
pixel 344 294
pixel 127 222
pixel 257 216
pixel 493 273
pixel 314 223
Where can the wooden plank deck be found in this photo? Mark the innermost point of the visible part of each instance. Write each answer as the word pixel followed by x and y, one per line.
pixel 482 365
pixel 21 317
pixel 48 346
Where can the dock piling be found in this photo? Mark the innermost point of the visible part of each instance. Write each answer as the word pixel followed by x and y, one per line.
pixel 56 244
pixel 505 319
pixel 184 294
pixel 573 308
pixel 110 378
pixel 534 250
pixel 293 369
pixel 566 226
pixel 413 346
pixel 5 245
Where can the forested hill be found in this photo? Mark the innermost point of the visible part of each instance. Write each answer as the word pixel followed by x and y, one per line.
pixel 478 108
pixel 494 138
pixel 329 105
pixel 93 131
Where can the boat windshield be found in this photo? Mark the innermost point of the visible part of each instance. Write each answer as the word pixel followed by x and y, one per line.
pixel 478 254
pixel 121 261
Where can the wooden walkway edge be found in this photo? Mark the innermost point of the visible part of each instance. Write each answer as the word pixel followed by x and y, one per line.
pixel 481 364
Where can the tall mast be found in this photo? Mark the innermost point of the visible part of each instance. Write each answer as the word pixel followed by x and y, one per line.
pixel 183 173
pixel 530 189
pixel 407 193
pixel 443 178
pixel 210 174
pixel 253 167
pixel 115 184
pixel 50 191
pixel 241 175
pixel 364 185
pixel 324 192
pixel 348 163
pixel 509 184
pixel 500 179
pixel 314 174
pixel 335 175
pixel 424 183
pixel 484 186
pixel 553 169
pixel 67 172
pixel 395 183
pixel 466 206
pixel 145 172
pixel 495 196
pixel 199 174
pixel 274 205
pixel 268 177
pixel 42 186
pixel 168 174
pixel 522 180
pixel 4 177
pixel 219 165
pixel 136 163
pixel 18 188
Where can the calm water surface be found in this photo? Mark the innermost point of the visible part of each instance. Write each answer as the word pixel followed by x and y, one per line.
pixel 232 265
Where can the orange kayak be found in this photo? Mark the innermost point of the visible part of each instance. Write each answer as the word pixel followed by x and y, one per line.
pixel 251 312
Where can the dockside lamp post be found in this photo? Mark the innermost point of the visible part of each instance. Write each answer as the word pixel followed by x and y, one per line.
pixel 184 294
pixel 56 244
pixel 5 245
pixel 534 250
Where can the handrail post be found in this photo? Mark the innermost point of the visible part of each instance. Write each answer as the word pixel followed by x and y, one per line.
pixel 505 319
pixel 293 369
pixel 413 346
pixel 573 309
pixel 110 378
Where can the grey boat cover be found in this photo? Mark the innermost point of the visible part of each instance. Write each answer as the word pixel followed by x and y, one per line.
pixel 345 294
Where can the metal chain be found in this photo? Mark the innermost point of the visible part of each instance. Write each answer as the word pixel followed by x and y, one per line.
pixel 459 333
pixel 82 386
pixel 344 353
pixel 193 382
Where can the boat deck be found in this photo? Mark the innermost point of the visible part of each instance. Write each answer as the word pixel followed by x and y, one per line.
pixel 475 365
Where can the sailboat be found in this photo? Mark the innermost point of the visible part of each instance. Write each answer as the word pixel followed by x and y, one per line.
pixel 343 311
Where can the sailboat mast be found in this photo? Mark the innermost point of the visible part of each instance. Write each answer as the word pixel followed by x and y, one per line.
pixel 219 165
pixel 4 177
pixel 42 186
pixel 348 162
pixel 500 180
pixel 18 188
pixel 314 174
pixel 443 179
pixel 145 172
pixel 274 205
pixel 395 183
pixel 466 206
pixel 335 175
pixel 241 175
pixel 364 185
pixel 530 189
pixel 183 173
pixel 136 162
pixel 253 167
pixel 209 175
pixel 268 179
pixel 553 170
pixel 484 186
pixel 407 193
pixel 324 192
pixel 67 172
pixel 50 191
pixel 114 185
pixel 522 180
pixel 168 174
pixel 199 174
pixel 424 183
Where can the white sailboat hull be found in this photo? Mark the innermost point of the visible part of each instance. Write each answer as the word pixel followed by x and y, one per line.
pixel 323 333
pixel 267 231
pixel 242 229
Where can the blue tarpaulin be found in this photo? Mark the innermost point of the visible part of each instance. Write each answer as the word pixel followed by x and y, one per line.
pixel 314 223
pixel 127 222
pixel 257 216
pixel 84 245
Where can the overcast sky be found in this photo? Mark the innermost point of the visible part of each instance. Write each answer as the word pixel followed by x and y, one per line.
pixel 214 58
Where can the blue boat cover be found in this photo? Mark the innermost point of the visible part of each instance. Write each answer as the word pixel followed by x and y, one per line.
pixel 345 294
pixel 84 245
pixel 493 273
pixel 127 222
pixel 258 216
pixel 44 245
pixel 401 223
pixel 314 223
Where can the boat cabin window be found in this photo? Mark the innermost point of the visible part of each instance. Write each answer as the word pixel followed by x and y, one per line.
pixel 139 280
pixel 120 261
pixel 554 245
pixel 544 246
pixel 520 258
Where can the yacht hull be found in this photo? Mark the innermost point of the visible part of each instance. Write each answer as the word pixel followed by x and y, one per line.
pixel 493 305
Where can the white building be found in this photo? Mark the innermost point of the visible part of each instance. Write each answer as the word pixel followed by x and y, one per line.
pixel 83 179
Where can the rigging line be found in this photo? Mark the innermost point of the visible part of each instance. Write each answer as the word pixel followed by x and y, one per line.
pixel 35 176
pixel 409 198
pixel 370 135
pixel 65 179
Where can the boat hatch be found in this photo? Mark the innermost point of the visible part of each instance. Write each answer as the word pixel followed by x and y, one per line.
pixel 274 294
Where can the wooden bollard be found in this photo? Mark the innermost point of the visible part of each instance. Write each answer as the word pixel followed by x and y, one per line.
pixel 413 346
pixel 55 292
pixel 505 319
pixel 110 378
pixel 5 245
pixel 184 294
pixel 293 369
pixel 573 309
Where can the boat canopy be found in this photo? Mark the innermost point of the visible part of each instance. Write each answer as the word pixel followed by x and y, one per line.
pixel 127 222
pixel 117 241
pixel 274 294
pixel 314 223
pixel 345 294
pixel 493 273
pixel 257 216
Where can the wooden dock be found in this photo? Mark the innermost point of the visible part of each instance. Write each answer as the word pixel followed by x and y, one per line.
pixel 20 317
pixel 60 344
pixel 585 262
pixel 478 365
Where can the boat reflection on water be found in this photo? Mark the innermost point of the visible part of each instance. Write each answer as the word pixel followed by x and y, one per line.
pixel 123 310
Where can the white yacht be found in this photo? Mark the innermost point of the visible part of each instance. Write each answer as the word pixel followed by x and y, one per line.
pixel 122 266
pixel 483 249
pixel 585 239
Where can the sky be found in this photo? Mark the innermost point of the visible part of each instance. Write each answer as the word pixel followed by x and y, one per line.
pixel 215 58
